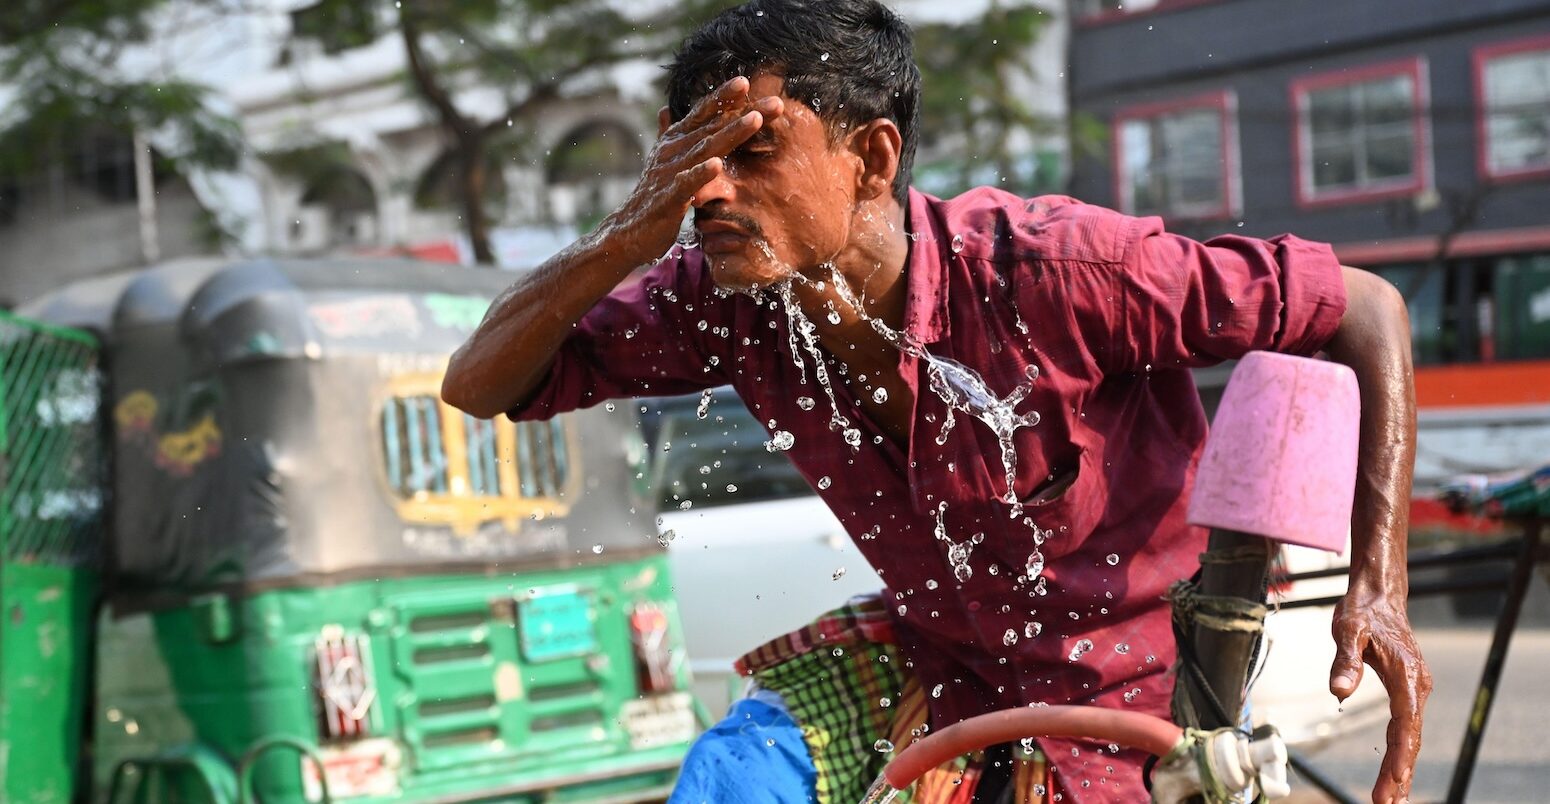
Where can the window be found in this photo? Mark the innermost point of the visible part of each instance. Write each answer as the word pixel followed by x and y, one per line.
pixel 446 467
pixel 412 444
pixel 1361 134
pixel 1177 159
pixel 718 460
pixel 1513 92
pixel 1477 310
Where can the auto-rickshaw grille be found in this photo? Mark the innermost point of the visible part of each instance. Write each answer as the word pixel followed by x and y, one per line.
pixel 52 466
pixel 473 685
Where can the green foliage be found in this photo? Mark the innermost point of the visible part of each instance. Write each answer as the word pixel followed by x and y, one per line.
pixel 971 105
pixel 61 59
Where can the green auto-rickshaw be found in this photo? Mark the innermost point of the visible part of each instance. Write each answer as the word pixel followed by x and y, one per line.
pixel 317 580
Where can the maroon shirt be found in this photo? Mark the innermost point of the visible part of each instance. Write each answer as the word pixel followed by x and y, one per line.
pixel 1113 311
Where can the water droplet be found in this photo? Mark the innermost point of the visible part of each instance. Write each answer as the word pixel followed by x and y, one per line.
pixel 931 583
pixel 838 574
pixel 824 482
pixel 1079 649
pixel 1114 748
pixel 963 572
pixel 666 536
pixel 1009 638
pixel 731 488
pixel 880 395
pixel 957 245
pixel 1035 564
pixel 824 57
pixel 703 409
pixel 770 742
pixel 805 402
pixel 882 746
pixel 597 549
pixel 834 317
pixel 902 609
pixel 1122 648
pixel 1113 559
pixel 702 326
pixel 1033 629
pixel 610 407
pixel 1130 697
pixel 853 437
pixel 780 441
pixel 885 702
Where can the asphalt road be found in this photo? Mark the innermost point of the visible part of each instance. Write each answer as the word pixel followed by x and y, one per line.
pixel 1514 765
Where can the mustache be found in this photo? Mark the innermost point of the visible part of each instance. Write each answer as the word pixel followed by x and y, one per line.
pixel 744 222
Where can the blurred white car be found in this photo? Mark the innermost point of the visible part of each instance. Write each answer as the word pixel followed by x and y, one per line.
pixel 750 563
pixel 755 554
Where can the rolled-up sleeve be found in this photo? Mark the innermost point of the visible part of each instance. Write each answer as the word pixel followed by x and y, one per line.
pixel 649 338
pixel 1190 303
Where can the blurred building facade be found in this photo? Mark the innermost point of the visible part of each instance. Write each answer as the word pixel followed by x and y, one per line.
pixel 1414 136
pixel 344 157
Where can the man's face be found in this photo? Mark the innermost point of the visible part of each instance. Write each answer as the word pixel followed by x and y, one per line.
pixel 785 202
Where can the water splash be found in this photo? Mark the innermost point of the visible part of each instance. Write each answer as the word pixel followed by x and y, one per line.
pixel 703 409
pixel 780 441
pixel 963 390
pixel 804 339
pixel 881 792
pixel 957 552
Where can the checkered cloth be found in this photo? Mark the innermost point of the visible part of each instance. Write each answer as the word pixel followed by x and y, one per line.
pixel 848 688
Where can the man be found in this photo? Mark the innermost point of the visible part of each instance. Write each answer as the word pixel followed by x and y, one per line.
pixel 899 347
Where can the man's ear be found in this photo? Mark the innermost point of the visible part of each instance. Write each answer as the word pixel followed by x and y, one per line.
pixel 877 144
pixel 664 119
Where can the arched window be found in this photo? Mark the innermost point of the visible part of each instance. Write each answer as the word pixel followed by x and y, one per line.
pixel 339 209
pixel 591 170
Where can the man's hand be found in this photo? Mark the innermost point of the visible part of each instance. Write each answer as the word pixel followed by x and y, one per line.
pixel 685 158
pixel 1372 628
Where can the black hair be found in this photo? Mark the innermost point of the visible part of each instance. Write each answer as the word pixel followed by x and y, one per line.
pixel 852 61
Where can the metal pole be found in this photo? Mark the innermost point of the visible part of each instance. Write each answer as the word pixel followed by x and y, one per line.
pixel 145 196
pixel 1485 694
pixel 1225 657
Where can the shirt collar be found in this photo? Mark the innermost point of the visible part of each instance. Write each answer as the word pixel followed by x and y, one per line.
pixel 925 309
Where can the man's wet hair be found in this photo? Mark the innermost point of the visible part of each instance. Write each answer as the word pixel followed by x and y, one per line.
pixel 851 61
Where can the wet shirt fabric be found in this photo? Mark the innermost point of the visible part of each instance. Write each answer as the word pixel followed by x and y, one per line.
pixel 1112 311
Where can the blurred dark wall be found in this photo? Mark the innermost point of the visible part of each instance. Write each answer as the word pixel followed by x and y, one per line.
pixel 1256 49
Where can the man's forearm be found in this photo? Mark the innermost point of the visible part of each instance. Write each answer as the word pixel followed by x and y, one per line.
pixel 503 361
pixel 1374 340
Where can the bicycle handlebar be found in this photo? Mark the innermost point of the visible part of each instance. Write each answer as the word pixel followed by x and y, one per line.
pixel 1150 734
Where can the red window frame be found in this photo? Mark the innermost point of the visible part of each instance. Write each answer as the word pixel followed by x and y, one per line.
pixel 1225 103
pixel 1482 56
pixel 1163 6
pixel 1302 177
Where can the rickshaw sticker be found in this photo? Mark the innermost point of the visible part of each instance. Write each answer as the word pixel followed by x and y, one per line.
pixel 135 414
pixel 179 453
pixel 456 312
pixel 367 317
